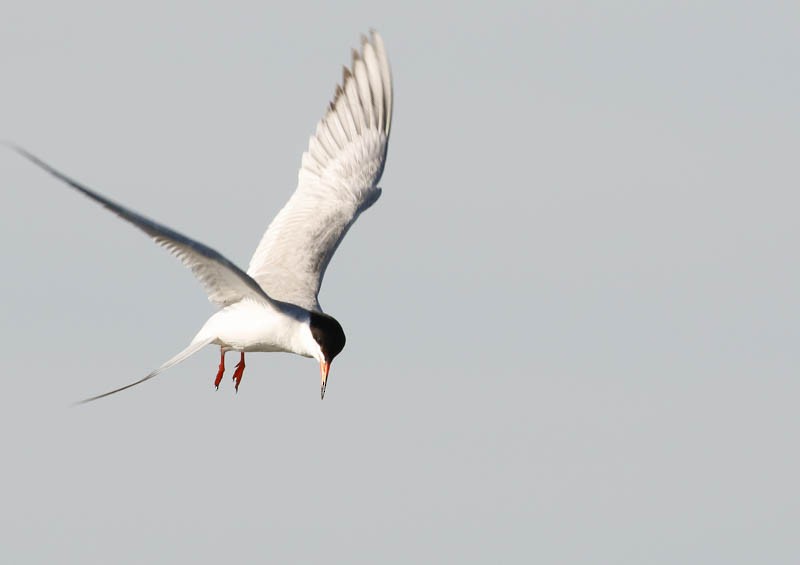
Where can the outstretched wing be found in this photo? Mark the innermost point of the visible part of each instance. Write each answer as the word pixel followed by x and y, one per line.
pixel 224 282
pixel 337 181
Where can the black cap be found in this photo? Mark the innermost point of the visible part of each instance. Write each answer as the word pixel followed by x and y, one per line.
pixel 328 333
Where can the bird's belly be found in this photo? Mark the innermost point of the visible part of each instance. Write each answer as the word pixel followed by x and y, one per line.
pixel 252 337
pixel 252 328
pixel 252 345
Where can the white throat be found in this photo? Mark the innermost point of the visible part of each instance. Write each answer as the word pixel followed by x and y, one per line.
pixel 308 344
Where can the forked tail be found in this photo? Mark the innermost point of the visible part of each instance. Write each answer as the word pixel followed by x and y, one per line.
pixel 193 348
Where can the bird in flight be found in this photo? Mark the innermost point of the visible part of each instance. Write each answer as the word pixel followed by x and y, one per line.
pixel 274 306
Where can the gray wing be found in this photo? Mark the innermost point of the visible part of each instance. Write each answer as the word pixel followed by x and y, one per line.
pixel 224 282
pixel 337 181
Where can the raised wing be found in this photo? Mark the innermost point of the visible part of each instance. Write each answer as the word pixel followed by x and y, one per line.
pixel 337 181
pixel 224 282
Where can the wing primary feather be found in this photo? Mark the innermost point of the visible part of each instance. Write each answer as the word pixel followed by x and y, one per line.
pixel 386 72
pixel 326 140
pixel 374 74
pixel 362 81
pixel 351 95
pixel 335 127
pixel 346 116
pixel 337 181
pixel 178 244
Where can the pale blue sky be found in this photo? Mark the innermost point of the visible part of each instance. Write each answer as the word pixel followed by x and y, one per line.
pixel 572 317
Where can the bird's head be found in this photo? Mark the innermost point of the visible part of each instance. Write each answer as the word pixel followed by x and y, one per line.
pixel 329 336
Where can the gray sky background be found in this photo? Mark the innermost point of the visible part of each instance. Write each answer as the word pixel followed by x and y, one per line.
pixel 572 318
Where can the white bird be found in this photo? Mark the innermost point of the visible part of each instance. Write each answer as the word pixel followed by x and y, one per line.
pixel 274 306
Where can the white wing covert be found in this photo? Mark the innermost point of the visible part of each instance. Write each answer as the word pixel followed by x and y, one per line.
pixel 337 181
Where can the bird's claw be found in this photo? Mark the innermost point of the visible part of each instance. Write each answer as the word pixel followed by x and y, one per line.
pixel 237 374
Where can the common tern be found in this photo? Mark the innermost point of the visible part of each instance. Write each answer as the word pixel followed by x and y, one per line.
pixel 274 306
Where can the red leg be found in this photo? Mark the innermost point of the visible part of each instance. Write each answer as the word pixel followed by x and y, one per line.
pixel 221 368
pixel 237 374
